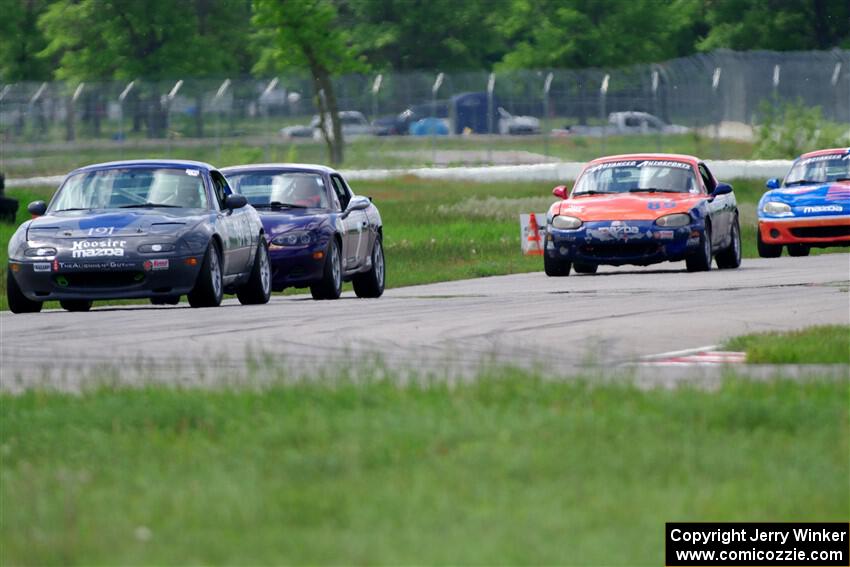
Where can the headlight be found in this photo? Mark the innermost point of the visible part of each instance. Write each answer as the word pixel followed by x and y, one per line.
pixel 776 208
pixel 295 238
pixel 40 252
pixel 677 219
pixel 568 223
pixel 153 248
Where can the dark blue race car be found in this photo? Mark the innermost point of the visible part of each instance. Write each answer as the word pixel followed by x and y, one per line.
pixel 320 233
pixel 139 229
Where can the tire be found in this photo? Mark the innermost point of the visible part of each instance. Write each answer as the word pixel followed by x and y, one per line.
pixel 768 250
pixel 330 286
pixel 555 268
pixel 700 261
pixel 258 289
pixel 730 258
pixel 798 250
pixel 18 302
pixel 167 300
pixel 79 305
pixel 209 288
pixel 371 283
pixel 585 268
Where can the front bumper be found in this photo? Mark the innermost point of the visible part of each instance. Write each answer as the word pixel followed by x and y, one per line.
pixel 118 278
pixel 296 266
pixel 623 242
pixel 815 231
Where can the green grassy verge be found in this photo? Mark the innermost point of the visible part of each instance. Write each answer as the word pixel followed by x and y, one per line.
pixel 448 230
pixel 361 153
pixel 507 469
pixel 824 344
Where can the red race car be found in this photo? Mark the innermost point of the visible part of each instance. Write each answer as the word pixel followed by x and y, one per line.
pixel 643 209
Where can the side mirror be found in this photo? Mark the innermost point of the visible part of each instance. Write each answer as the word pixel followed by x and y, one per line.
pixel 235 201
pixel 772 183
pixel 721 189
pixel 356 203
pixel 560 191
pixel 37 208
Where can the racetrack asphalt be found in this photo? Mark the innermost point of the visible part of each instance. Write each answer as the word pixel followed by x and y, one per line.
pixel 562 325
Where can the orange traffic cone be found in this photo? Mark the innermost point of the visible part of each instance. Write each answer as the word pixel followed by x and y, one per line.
pixel 533 247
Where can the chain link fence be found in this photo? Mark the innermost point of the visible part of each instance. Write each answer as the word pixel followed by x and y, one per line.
pixel 718 93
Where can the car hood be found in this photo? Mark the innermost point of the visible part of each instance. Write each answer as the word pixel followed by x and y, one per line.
pixel 277 222
pixel 812 195
pixel 101 222
pixel 627 206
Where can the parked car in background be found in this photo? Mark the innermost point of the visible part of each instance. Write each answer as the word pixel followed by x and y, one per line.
pixel 643 209
pixel 353 124
pixel 320 232
pixel 809 208
pixel 517 125
pixel 624 123
pixel 153 229
pixel 399 124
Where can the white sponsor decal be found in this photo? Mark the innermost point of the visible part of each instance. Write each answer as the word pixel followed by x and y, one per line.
pixel 156 265
pixel 611 164
pixel 618 228
pixel 94 266
pixel 823 209
pixel 827 157
pixel 656 163
pixel 193 172
pixel 97 248
pixel 41 267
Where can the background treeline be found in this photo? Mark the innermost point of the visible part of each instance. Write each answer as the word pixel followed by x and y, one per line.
pixel 157 39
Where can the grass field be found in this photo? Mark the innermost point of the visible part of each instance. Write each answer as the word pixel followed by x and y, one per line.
pixel 448 230
pixel 396 152
pixel 824 344
pixel 507 469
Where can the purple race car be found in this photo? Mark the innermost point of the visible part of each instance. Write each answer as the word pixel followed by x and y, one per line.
pixel 320 233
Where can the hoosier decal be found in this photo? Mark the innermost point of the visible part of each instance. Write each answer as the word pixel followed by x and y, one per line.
pixel 96 248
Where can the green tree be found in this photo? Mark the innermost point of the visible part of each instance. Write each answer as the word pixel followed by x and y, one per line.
pixel 152 40
pixel 21 40
pixel 597 33
pixel 427 34
pixel 309 34
pixel 780 25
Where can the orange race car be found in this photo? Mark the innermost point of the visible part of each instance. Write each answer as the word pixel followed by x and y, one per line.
pixel 811 208
pixel 643 209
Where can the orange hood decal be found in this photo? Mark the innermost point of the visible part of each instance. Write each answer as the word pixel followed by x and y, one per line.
pixel 628 206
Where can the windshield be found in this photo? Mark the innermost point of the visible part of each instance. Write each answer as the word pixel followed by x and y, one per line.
pixel 819 169
pixel 636 176
pixel 295 189
pixel 132 187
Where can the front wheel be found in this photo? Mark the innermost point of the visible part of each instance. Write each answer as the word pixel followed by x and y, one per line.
pixel 330 286
pixel 731 257
pixel 555 268
pixel 208 289
pixel 371 283
pixel 700 261
pixel 798 250
pixel 768 250
pixel 18 302
pixel 79 305
pixel 258 289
